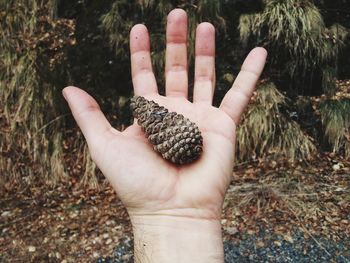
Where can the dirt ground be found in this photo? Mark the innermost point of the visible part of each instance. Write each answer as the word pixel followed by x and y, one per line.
pixel 65 224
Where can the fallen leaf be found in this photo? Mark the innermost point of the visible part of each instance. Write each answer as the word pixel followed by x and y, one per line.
pixel 288 238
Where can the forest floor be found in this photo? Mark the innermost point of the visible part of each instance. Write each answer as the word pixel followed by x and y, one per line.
pixel 273 212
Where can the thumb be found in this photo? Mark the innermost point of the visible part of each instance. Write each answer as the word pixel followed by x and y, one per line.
pixel 86 113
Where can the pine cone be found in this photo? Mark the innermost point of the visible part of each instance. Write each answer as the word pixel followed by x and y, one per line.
pixel 175 137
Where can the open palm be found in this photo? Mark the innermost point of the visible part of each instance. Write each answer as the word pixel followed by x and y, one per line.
pixel 146 183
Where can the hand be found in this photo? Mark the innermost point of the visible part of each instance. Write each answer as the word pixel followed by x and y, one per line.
pixel 155 191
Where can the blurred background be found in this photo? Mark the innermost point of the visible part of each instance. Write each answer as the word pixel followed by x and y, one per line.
pixel 297 124
pixel 302 105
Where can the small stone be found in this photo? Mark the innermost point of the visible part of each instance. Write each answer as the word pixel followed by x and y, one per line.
pixel 110 222
pixel 277 243
pixel 6 214
pixel 251 232
pixel 336 167
pixel 232 230
pixel 31 249
pixel 260 244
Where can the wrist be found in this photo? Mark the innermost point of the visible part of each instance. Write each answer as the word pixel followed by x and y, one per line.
pixel 164 238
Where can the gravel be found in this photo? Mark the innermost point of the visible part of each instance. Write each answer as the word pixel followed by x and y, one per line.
pixel 264 246
pixel 268 247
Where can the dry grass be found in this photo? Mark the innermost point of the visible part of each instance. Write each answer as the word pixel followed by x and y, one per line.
pixel 266 131
pixel 31 119
pixel 89 178
pixel 298 192
pixel 31 142
pixel 336 122
pixel 272 191
pixel 297 30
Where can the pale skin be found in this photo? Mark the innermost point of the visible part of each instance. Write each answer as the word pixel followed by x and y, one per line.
pixel 174 210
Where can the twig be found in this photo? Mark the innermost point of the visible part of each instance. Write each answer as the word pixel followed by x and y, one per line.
pixel 308 232
pixel 17 220
pixel 244 163
pixel 50 122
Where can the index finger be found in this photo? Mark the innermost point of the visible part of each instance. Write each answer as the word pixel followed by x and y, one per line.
pixel 143 77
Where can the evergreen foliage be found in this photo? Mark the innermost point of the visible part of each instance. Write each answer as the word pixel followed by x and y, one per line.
pixel 116 24
pixel 31 45
pixel 300 51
